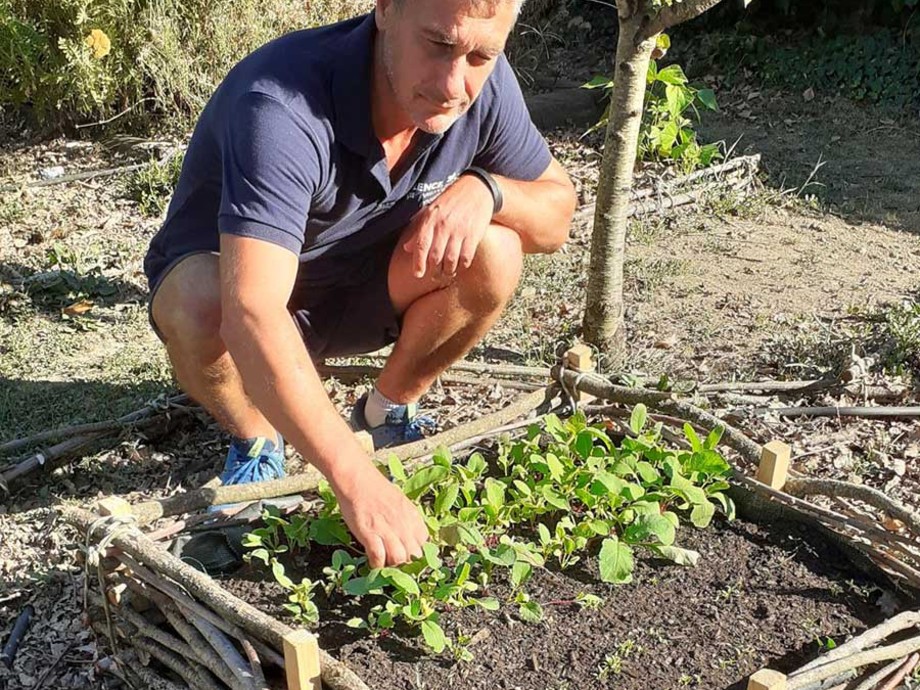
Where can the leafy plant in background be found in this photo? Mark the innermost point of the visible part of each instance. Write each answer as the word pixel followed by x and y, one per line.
pixel 667 132
pixel 562 491
pixel 881 67
pixel 152 186
pixel 151 62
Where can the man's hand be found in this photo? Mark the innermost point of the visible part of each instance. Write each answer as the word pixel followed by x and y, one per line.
pixel 445 235
pixel 380 516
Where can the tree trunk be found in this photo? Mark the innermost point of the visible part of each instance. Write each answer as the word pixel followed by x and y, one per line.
pixel 604 326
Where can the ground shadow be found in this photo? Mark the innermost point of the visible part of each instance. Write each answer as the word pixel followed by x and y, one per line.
pixel 171 451
pixel 860 161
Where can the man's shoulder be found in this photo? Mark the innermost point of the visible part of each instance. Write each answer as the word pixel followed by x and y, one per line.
pixel 295 69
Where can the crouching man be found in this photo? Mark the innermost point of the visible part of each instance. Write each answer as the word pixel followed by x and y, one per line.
pixel 371 182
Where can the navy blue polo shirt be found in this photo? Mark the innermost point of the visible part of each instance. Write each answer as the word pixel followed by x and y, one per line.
pixel 285 152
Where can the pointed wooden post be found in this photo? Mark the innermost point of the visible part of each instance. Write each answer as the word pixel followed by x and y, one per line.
pixel 301 661
pixel 774 464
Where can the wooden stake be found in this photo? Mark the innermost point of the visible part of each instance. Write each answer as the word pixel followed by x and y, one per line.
pixel 301 661
pixel 580 358
pixel 765 679
pixel 774 464
pixel 115 506
pixel 366 441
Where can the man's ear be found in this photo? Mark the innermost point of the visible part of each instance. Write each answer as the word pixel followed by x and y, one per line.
pixel 383 13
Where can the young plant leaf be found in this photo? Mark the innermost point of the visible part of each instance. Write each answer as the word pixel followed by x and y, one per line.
pixel 424 478
pixel 434 636
pixel 446 498
pixel 400 580
pixel 702 514
pixel 678 555
pixel 329 531
pixel 530 612
pixel 638 418
pixel 395 466
pixel 615 561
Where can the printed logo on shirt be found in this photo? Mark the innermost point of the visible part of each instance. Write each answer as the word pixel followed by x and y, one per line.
pixel 426 192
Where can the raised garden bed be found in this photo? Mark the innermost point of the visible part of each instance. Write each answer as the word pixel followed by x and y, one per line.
pixel 775 593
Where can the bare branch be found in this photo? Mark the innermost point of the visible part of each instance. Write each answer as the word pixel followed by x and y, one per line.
pixel 678 13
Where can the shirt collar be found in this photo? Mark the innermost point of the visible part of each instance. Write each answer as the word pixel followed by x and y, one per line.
pixel 351 88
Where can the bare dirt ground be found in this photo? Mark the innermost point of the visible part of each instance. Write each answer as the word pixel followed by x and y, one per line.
pixel 780 285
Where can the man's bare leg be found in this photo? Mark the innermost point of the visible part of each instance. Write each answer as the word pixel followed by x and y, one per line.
pixel 186 309
pixel 443 318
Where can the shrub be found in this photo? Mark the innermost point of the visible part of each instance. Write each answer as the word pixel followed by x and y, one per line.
pixel 152 186
pixel 85 60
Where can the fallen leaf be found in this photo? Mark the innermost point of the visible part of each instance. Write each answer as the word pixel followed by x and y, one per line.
pixel 666 343
pixel 78 308
pixel 809 94
pixel 892 524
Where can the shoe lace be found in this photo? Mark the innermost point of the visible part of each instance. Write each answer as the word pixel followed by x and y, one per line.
pixel 266 466
pixel 418 427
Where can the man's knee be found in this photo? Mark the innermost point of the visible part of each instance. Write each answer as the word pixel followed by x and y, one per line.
pixel 186 305
pixel 497 266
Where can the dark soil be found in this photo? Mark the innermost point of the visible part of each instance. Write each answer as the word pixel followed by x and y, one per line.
pixel 759 597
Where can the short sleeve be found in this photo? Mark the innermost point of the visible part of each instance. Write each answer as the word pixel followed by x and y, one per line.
pixel 270 170
pixel 512 146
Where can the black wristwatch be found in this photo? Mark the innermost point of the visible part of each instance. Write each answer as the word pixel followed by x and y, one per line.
pixel 497 199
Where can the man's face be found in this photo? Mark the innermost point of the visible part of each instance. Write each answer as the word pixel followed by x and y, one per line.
pixel 438 54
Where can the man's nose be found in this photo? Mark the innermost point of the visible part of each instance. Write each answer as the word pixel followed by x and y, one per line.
pixel 453 80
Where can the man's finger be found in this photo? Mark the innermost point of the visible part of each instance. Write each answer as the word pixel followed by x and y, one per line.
pixel 452 255
pixel 468 253
pixel 423 242
pixel 413 549
pixel 376 553
pixel 396 552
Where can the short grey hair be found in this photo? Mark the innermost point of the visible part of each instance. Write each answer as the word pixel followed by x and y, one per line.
pixel 517 4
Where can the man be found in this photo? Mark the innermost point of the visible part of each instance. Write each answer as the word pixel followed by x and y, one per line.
pixel 378 180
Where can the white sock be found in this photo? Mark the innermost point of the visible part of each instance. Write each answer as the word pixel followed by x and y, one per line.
pixel 377 408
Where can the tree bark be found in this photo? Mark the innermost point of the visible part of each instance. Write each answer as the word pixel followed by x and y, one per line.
pixel 604 326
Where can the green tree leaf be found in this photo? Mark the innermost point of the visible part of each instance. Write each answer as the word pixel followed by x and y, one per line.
pixel 708 98
pixel 495 493
pixel 520 573
pixel 692 437
pixel 584 442
pixel 280 576
pixel 672 74
pixel 488 603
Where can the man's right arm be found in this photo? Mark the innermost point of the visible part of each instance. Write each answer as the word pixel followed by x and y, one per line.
pixel 280 379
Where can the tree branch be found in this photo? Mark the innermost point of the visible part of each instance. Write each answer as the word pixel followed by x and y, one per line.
pixel 678 13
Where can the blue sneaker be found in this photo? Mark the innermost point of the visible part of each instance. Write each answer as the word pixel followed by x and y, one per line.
pixel 252 460
pixel 402 425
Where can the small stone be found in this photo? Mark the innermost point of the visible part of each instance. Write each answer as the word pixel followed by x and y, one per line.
pixel 51 173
